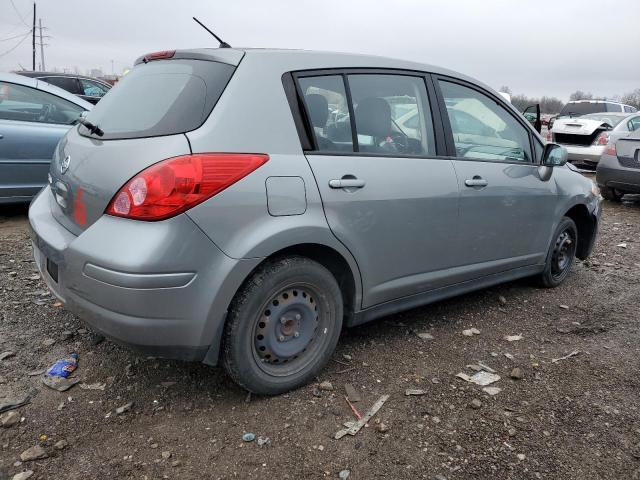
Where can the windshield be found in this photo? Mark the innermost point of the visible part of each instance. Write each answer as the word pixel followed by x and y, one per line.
pixel 160 98
pixel 609 119
pixel 582 108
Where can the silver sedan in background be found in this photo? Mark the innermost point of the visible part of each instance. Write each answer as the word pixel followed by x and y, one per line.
pixel 587 137
pixel 34 116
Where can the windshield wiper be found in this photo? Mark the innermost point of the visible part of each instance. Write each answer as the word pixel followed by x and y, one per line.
pixel 94 129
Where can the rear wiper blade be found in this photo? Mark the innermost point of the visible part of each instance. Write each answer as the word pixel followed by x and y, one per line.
pixel 94 129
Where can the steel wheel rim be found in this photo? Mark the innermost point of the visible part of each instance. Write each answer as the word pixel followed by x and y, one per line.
pixel 289 330
pixel 563 252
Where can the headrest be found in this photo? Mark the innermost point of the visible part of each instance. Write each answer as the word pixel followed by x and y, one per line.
pixel 373 117
pixel 318 109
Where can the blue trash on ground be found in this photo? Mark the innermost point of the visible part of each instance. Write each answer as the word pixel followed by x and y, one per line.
pixel 64 367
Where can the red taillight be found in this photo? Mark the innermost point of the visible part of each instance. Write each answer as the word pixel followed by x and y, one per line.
pixel 603 139
pixel 611 150
pixel 159 55
pixel 174 185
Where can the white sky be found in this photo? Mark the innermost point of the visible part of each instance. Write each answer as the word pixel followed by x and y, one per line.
pixel 542 47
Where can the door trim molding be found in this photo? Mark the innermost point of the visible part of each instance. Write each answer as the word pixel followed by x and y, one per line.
pixel 435 295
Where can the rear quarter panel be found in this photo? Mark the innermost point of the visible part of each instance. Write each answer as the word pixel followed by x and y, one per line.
pixel 253 116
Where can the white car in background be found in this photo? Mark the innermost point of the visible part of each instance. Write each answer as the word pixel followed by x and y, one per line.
pixel 578 108
pixel 587 137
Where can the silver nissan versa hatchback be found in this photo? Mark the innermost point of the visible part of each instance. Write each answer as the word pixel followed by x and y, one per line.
pixel 240 207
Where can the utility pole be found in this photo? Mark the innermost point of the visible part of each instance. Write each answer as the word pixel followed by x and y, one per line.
pixel 44 69
pixel 33 35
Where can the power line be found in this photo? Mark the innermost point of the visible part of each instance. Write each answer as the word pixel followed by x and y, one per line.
pixel 15 36
pixel 18 13
pixel 26 35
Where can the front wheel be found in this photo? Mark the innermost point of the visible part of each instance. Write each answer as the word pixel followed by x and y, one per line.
pixel 283 326
pixel 561 254
pixel 611 194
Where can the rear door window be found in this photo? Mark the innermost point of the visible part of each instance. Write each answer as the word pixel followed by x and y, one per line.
pixel 392 114
pixel 162 97
pixel 325 100
pixel 633 124
pixel 66 83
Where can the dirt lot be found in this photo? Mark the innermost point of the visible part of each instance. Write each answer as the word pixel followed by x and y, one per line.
pixel 575 418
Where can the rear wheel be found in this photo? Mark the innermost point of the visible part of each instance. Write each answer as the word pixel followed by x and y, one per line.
pixel 283 326
pixel 611 194
pixel 561 254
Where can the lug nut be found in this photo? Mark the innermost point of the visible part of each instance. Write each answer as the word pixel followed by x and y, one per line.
pixel 283 320
pixel 281 338
pixel 296 334
pixel 298 316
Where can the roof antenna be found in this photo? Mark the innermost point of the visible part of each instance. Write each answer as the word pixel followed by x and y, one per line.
pixel 222 43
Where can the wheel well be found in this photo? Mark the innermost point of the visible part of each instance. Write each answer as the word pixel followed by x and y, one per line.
pixel 586 229
pixel 332 261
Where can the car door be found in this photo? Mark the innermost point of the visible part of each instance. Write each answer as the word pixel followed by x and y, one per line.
pixel 506 199
pixel 387 196
pixel 31 124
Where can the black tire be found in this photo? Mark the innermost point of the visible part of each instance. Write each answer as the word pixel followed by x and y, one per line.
pixel 561 254
pixel 611 194
pixel 283 326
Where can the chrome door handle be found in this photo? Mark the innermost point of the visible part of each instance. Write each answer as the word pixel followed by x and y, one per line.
pixel 476 182
pixel 1 136
pixel 347 183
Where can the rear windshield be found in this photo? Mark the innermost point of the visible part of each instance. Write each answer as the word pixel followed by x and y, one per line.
pixel 162 97
pixel 611 120
pixel 576 109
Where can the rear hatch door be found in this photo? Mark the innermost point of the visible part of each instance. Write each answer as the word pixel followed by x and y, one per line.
pixel 143 120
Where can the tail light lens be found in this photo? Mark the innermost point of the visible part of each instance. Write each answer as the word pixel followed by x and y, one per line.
pixel 611 150
pixel 603 139
pixel 175 185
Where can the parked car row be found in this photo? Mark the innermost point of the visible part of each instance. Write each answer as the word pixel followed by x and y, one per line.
pixel 586 137
pixel 577 108
pixel 87 88
pixel 34 116
pixel 240 206
pixel 586 127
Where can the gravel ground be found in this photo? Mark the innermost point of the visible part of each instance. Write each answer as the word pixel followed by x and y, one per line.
pixel 574 418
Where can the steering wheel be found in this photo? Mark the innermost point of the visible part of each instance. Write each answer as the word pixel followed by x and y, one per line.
pixel 401 142
pixel 46 112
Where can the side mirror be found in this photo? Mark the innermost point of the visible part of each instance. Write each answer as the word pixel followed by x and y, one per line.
pixel 532 113
pixel 554 155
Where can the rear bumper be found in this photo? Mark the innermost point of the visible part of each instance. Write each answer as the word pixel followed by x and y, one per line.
pixel 585 155
pixel 160 287
pixel 613 175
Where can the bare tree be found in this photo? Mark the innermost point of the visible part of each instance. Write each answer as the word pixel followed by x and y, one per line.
pixel 505 89
pixel 580 95
pixel 547 104
pixel 632 98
